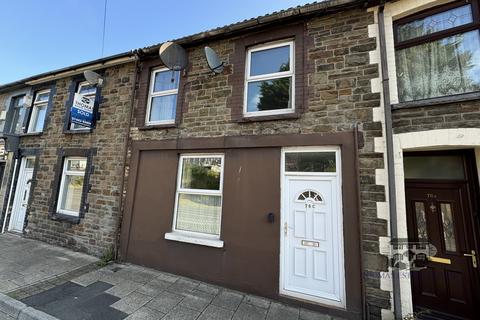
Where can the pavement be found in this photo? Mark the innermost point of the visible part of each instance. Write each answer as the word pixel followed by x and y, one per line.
pixel 84 291
pixel 25 263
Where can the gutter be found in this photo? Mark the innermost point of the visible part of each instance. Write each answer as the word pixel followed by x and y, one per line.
pixel 73 70
pixel 392 197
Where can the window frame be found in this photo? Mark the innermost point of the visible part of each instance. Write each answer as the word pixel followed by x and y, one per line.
pixel 152 94
pixel 91 96
pixel 13 122
pixel 179 190
pixel 269 76
pixel 431 37
pixel 61 189
pixel 32 122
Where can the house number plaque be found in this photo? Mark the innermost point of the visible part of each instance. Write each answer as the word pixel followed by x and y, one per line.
pixel 310 243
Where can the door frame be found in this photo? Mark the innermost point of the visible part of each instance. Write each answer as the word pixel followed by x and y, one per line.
pixel 283 216
pixel 470 197
pixel 21 172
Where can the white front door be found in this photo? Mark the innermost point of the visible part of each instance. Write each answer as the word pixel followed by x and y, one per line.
pixel 312 236
pixel 22 193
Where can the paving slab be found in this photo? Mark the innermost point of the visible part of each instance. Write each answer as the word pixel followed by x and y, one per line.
pixel 26 262
pixel 66 285
pixel 280 311
pixel 165 301
pixel 179 313
pixel 228 299
pixel 249 312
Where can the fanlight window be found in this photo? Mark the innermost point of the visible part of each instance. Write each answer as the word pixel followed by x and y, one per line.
pixel 309 194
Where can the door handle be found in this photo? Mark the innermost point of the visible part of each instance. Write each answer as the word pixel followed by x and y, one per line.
pixel 285 229
pixel 473 256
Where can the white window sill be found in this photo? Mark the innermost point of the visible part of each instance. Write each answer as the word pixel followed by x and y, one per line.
pixel 176 236
pixel 159 123
pixel 278 112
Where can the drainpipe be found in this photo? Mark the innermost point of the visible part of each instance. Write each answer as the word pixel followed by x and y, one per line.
pixel 360 229
pixel 10 195
pixel 390 161
pixel 127 140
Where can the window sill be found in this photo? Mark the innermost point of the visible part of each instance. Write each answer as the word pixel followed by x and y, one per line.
pixel 436 101
pixel 176 236
pixel 31 134
pixel 271 117
pixel 57 216
pixel 85 131
pixel 158 126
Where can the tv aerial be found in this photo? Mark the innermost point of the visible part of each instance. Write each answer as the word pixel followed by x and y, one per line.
pixel 213 60
pixel 93 78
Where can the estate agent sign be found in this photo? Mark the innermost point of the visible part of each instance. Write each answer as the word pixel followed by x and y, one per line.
pixel 82 110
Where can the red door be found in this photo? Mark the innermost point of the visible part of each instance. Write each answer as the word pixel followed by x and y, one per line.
pixel 447 287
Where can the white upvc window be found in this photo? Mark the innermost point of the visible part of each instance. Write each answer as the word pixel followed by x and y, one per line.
pixel 39 111
pixel 198 204
pixel 89 91
pixel 162 97
pixel 270 80
pixel 71 186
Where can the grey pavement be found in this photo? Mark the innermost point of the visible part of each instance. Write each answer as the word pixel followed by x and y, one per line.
pixel 151 295
pixel 25 263
pixel 69 286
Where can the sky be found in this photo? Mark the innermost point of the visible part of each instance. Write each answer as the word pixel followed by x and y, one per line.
pixel 41 36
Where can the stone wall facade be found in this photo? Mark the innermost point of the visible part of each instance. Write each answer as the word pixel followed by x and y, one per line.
pixel 96 231
pixel 443 116
pixel 338 95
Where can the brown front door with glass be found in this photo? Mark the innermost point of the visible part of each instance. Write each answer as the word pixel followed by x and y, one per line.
pixel 441 210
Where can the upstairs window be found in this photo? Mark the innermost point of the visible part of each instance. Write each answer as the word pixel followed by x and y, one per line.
pixel 438 52
pixel 18 117
pixel 71 186
pixel 39 111
pixel 269 81
pixel 162 97
pixel 89 91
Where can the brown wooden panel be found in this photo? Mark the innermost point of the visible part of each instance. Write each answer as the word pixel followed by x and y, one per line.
pixel 249 260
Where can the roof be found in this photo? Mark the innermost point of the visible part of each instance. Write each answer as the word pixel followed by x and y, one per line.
pixel 286 15
pixel 282 16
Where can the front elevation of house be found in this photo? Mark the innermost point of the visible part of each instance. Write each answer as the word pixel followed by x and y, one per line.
pixel 250 178
pixel 331 163
pixel 62 181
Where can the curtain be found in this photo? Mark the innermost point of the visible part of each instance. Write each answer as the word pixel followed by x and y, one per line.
pixel 439 68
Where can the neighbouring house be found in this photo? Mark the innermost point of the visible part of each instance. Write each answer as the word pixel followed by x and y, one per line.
pixel 431 70
pixel 62 181
pixel 333 163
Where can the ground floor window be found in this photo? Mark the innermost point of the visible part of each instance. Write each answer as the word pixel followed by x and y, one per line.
pixel 71 186
pixel 198 206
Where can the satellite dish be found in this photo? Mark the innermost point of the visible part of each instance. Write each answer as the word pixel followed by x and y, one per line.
pixel 214 62
pixel 93 78
pixel 173 56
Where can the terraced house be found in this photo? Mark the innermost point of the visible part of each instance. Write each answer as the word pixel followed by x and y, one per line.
pixel 62 182
pixel 331 161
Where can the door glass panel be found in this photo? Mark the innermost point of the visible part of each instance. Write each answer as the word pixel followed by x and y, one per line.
pixel 448 227
pixel 434 167
pixel 30 163
pixel 421 220
pixel 310 162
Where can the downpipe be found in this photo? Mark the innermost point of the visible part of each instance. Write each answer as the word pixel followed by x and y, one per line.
pixel 392 198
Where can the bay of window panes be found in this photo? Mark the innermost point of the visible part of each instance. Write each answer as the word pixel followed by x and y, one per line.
pixel 438 55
